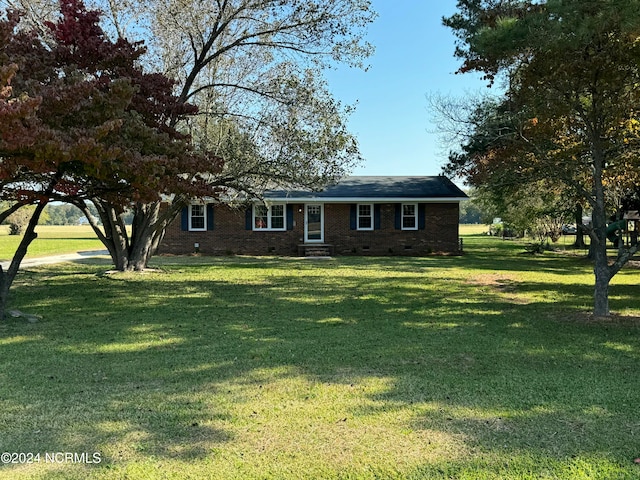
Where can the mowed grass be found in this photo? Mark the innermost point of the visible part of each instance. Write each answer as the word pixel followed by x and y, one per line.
pixel 52 240
pixel 484 366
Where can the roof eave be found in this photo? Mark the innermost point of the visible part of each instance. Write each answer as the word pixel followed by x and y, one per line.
pixel 365 199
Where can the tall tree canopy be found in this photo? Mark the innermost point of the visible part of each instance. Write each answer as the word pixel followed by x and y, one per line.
pixel 255 70
pixel 571 70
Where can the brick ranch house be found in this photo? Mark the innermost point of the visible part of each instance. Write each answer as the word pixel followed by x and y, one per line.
pixel 356 216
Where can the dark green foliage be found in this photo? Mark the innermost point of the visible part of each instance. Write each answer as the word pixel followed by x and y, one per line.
pixel 568 115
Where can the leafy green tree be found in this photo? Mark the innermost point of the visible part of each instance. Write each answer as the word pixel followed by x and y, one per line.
pixel 537 210
pixel 572 70
pixel 255 70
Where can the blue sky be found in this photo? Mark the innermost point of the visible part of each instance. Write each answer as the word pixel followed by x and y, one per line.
pixel 414 57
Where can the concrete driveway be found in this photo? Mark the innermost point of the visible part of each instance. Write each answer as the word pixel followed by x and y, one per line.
pixel 67 257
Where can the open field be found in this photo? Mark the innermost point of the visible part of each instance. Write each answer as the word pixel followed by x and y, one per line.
pixel 52 240
pixel 484 366
pixel 473 229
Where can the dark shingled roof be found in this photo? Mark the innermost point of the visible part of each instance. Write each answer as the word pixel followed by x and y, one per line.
pixel 381 188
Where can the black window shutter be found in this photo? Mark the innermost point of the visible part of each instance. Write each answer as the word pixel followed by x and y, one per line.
pixel 376 217
pixel 421 216
pixel 289 217
pixel 398 216
pixel 210 216
pixel 184 219
pixel 353 217
pixel 248 219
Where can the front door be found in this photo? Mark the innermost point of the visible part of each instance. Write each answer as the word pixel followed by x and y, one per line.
pixel 314 223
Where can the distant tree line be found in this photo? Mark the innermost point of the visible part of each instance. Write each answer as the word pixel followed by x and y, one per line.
pixel 54 214
pixel 473 211
pixel 64 214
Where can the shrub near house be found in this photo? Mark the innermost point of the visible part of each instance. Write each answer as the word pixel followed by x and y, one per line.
pixel 358 215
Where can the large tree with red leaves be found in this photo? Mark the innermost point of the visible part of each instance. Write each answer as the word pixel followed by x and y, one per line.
pixel 82 121
pixel 161 162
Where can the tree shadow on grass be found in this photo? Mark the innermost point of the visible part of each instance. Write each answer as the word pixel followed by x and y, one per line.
pixel 168 365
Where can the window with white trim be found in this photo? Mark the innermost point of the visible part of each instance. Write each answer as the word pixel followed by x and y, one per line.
pixel 409 216
pixel 269 217
pixel 365 216
pixel 197 218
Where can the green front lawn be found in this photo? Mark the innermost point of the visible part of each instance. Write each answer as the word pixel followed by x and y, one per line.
pixel 484 366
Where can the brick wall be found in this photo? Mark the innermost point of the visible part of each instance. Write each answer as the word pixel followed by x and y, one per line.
pixel 230 236
pixel 440 233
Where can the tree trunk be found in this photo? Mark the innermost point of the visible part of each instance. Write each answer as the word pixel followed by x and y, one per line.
pixel 145 220
pixel 113 233
pixel 603 277
pixel 579 243
pixel 603 270
pixel 598 235
pixel 150 220
pixel 7 278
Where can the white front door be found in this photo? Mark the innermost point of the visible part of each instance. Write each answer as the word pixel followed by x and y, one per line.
pixel 314 223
